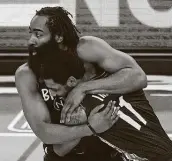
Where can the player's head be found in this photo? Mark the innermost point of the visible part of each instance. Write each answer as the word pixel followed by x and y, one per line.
pixel 62 89
pixel 57 25
pixel 52 44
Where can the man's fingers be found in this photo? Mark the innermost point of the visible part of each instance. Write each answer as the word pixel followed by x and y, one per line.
pixel 117 109
pixel 70 111
pixel 115 118
pixel 112 109
pixel 108 107
pixel 96 109
pixel 64 112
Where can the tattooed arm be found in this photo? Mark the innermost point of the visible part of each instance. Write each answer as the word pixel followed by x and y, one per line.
pixel 78 117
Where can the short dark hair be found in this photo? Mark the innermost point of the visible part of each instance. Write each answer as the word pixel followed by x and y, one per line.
pixel 60 23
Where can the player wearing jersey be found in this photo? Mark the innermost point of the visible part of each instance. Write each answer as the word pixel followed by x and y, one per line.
pixel 57 52
pixel 137 135
pixel 55 44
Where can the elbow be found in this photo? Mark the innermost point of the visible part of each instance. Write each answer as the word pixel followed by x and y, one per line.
pixel 41 132
pixel 141 79
pixel 58 149
pixel 45 140
pixel 45 135
pixel 42 136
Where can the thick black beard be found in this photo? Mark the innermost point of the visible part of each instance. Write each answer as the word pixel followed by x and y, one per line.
pixel 52 63
pixel 45 56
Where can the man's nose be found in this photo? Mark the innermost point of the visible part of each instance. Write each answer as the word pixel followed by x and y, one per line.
pixel 32 40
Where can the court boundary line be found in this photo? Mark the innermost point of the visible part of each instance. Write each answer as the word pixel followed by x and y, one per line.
pixel 29 150
pixel 17 135
pixel 12 124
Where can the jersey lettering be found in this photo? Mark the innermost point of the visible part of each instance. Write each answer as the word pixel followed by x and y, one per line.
pixel 59 104
pixel 45 94
pixel 51 95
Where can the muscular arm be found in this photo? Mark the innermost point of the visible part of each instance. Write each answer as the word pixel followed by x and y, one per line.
pixel 37 114
pixel 126 75
pixel 38 117
pixel 77 117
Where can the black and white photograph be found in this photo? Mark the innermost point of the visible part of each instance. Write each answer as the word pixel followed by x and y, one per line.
pixel 86 80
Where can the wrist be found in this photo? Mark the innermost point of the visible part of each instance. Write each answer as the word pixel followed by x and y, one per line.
pixel 92 129
pixel 88 131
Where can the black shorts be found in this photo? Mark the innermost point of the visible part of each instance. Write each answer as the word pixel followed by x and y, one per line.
pixel 102 153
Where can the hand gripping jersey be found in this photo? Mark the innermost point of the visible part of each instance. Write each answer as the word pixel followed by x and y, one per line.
pixel 137 135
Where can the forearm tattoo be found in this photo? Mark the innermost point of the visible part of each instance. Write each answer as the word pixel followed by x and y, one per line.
pixel 78 117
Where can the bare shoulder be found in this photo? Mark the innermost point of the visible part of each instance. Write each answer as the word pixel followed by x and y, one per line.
pixel 23 72
pixel 91 41
pixel 25 77
pixel 93 49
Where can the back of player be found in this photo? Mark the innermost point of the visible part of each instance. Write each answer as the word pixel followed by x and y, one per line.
pixel 138 133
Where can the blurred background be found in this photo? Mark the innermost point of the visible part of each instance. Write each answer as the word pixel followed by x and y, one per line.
pixel 143 29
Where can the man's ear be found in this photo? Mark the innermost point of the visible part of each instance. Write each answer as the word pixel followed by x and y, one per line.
pixel 71 82
pixel 58 38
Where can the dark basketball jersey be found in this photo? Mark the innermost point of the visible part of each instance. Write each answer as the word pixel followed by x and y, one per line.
pixel 137 134
pixel 55 105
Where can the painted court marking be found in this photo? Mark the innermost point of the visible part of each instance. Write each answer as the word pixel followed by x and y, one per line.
pixel 14 122
pixel 24 132
pixel 24 129
pixel 17 135
pixel 29 150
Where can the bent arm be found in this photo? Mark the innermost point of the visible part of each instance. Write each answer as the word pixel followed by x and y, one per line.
pixel 78 117
pixel 37 113
pixel 126 75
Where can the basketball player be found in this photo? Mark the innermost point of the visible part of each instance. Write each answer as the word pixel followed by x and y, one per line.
pixel 137 135
pixel 57 52
pixel 53 25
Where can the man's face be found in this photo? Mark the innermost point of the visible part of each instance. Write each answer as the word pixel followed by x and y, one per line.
pixel 56 88
pixel 60 89
pixel 40 37
pixel 42 46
